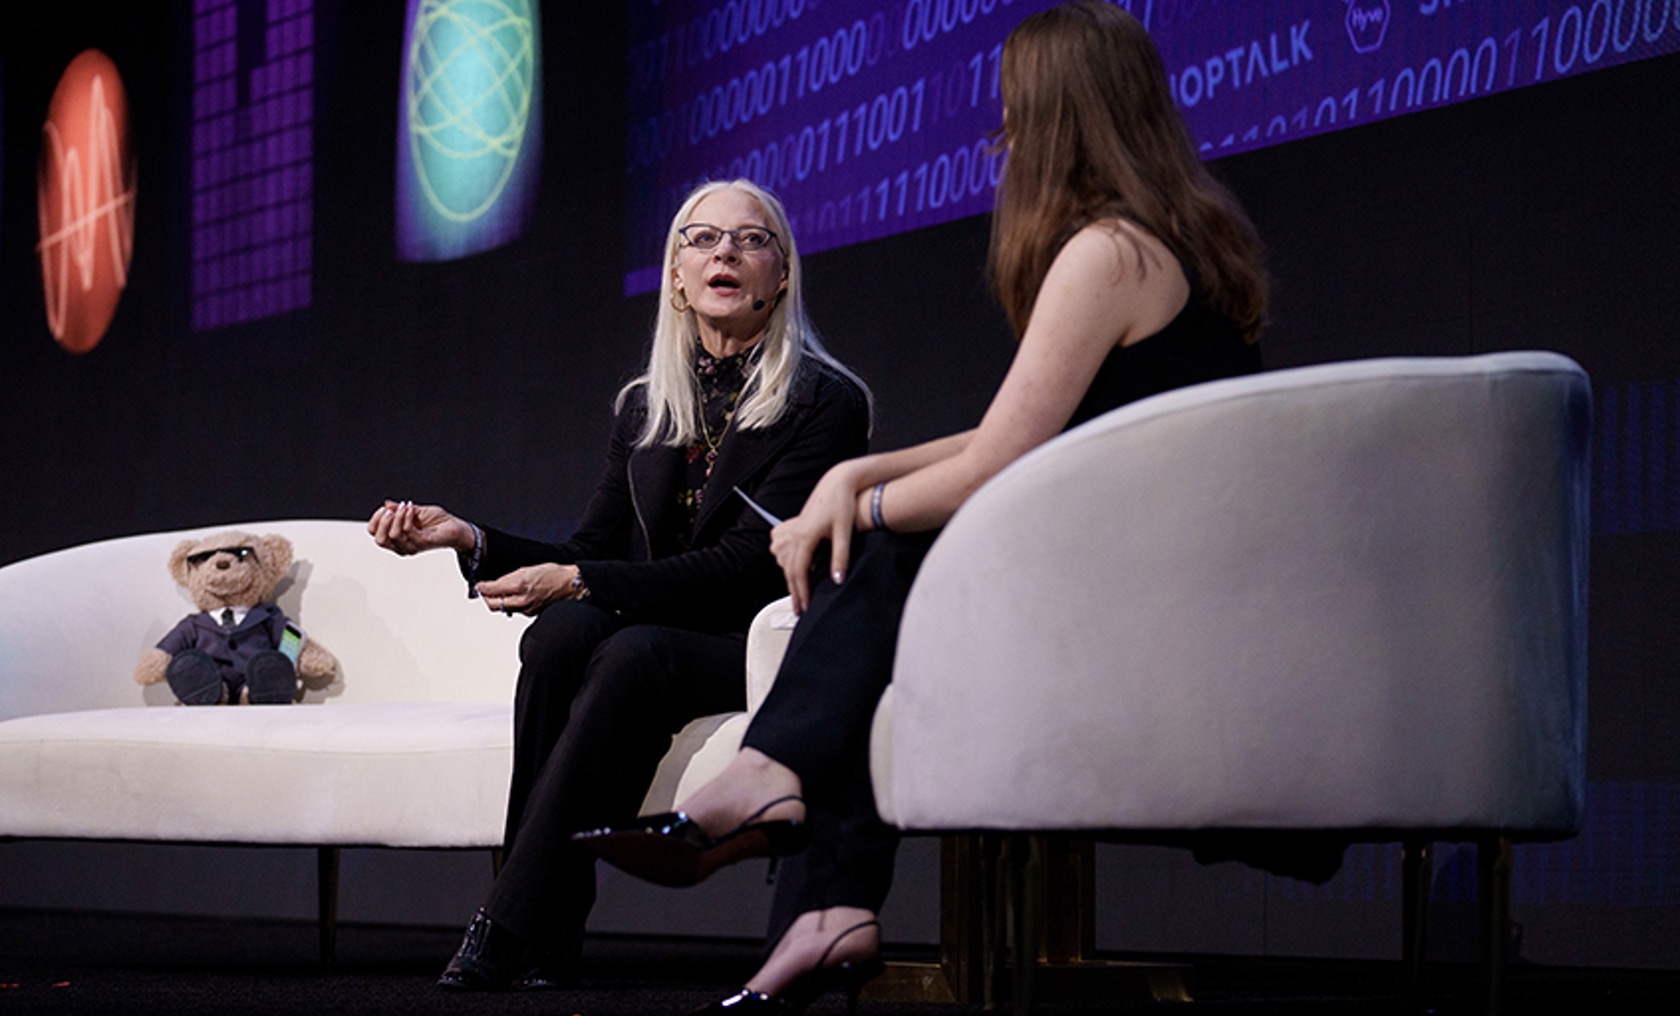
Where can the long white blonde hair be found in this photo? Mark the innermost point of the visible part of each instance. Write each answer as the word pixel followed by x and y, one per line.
pixel 789 337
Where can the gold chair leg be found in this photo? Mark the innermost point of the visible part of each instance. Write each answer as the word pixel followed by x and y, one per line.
pixel 1008 896
pixel 1070 877
pixel 1026 905
pixel 994 920
pixel 1052 896
pixel 964 972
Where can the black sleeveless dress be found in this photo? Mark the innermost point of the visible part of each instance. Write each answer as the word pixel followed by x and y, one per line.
pixel 1197 345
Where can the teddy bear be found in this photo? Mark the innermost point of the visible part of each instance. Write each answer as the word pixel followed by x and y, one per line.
pixel 240 647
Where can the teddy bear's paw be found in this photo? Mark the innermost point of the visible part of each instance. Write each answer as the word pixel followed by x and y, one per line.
pixel 153 665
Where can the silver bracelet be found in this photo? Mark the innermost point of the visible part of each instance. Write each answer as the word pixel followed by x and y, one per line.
pixel 476 558
pixel 875 517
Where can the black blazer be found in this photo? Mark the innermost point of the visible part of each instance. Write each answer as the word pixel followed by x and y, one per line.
pixel 625 546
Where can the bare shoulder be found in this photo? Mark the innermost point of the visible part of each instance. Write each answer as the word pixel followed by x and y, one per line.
pixel 1134 249
pixel 1123 265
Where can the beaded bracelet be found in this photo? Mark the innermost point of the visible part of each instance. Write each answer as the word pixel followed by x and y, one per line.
pixel 476 558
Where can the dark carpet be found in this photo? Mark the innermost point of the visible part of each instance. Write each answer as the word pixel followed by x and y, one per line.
pixel 55 962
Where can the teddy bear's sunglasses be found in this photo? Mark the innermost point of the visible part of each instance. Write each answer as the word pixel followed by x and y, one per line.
pixel 239 554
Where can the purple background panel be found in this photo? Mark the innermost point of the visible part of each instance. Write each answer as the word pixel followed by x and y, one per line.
pixel 870 119
pixel 252 160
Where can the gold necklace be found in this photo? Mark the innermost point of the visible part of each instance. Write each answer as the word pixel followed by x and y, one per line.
pixel 712 445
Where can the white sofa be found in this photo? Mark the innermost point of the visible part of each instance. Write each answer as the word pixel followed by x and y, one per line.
pixel 410 744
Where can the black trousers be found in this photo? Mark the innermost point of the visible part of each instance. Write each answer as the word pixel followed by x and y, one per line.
pixel 594 711
pixel 816 722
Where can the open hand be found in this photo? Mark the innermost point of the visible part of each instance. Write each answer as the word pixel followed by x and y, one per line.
pixel 405 528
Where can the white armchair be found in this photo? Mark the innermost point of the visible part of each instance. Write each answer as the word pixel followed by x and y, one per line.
pixel 1348 598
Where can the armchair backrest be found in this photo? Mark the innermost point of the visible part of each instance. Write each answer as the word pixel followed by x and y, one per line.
pixel 1348 596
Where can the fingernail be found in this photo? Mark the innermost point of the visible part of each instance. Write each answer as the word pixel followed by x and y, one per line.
pixel 839 576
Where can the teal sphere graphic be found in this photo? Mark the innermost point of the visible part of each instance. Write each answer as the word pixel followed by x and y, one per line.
pixel 469 83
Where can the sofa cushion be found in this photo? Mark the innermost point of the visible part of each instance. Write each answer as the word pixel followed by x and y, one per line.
pixel 305 774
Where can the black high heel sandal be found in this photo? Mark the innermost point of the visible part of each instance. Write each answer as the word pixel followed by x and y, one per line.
pixel 808 987
pixel 672 850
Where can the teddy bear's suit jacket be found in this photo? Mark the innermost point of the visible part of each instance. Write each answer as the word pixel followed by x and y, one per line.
pixel 231 648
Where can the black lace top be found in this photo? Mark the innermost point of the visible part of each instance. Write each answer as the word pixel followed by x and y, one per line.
pixel 722 380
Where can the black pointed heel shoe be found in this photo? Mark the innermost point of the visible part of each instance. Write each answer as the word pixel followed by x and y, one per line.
pixel 489 959
pixel 849 975
pixel 672 850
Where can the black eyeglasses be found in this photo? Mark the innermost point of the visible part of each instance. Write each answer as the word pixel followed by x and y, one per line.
pixel 239 554
pixel 704 236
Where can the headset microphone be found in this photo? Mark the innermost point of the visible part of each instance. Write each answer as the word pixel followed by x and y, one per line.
pixel 758 305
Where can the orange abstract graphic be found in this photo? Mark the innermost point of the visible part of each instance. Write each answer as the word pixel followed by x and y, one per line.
pixel 85 185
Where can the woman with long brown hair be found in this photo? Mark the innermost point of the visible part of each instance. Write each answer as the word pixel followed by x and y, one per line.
pixel 1125 270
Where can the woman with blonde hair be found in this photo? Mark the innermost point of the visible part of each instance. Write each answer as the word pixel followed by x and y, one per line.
pixel 1125 270
pixel 640 617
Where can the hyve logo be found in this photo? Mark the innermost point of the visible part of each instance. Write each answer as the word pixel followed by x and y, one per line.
pixel 1367 23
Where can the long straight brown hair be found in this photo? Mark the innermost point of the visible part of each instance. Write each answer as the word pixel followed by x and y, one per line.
pixel 1092 133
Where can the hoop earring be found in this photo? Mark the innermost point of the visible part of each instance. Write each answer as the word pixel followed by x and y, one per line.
pixel 679 308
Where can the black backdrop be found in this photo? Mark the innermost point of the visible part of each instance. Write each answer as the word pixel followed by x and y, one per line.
pixel 1542 218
